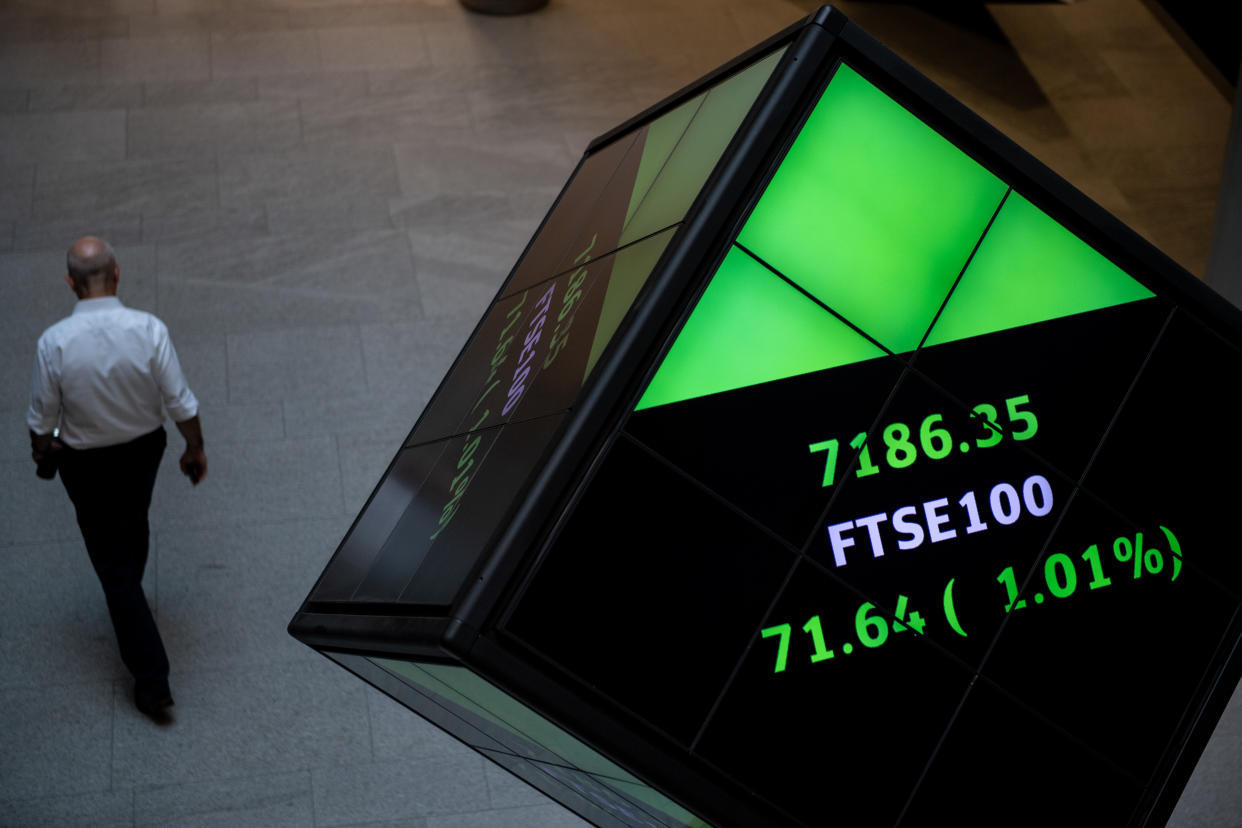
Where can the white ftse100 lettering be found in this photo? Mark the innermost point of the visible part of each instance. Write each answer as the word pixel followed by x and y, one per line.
pixel 522 371
pixel 930 523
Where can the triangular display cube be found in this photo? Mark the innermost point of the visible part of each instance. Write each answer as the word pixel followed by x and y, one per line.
pixel 825 459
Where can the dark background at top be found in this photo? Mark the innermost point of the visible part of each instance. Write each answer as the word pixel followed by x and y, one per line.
pixel 1211 28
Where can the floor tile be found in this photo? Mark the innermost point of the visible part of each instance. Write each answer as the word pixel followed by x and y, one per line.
pixel 55 619
pixel 387 410
pixel 535 816
pixel 482 41
pixel 58 740
pixel 34 281
pixel 247 53
pixel 409 359
pixel 172 17
pixel 255 422
pixel 119 227
pixel 317 85
pixel 33 510
pixel 251 179
pixel 445 293
pixel 368 793
pixel 156 58
pixel 399 734
pixel 105 809
pixel 1211 796
pixel 227 593
pixel 249 483
pixel 222 127
pixel 206 307
pixel 482 162
pixel 43 61
pixel 275 799
pixel 238 724
pixel 173 92
pixel 55 98
pixel 202 223
pixel 358 264
pixel 288 364
pixel 79 190
pixel 508 791
pixel 204 363
pixel 15 443
pixel 322 15
pixel 62 136
pixel 43 25
pixel 381 119
pixel 372 47
pixel 452 211
pixel 483 254
pixel 14 99
pixel 364 212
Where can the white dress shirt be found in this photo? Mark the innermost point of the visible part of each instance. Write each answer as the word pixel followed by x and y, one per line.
pixel 105 374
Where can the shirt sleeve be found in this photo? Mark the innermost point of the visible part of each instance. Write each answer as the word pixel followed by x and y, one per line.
pixel 178 398
pixel 44 411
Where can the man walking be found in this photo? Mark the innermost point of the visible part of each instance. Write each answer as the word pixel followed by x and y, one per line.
pixel 105 375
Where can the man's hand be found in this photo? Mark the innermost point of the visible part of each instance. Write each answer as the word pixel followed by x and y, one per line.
pixel 193 461
pixel 39 446
pixel 194 464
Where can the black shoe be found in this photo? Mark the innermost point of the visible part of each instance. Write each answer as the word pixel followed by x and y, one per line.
pixel 154 706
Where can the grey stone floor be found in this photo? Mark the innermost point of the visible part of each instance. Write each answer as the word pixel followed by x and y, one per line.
pixel 319 197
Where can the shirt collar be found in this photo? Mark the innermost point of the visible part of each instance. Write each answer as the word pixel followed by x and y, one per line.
pixel 100 304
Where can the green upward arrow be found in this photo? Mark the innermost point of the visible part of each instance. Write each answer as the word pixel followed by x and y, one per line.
pixel 1030 269
pixel 875 215
pixel 751 327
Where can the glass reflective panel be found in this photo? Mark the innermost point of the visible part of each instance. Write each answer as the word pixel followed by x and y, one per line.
pixel 1169 455
pixel 534 738
pixel 432 515
pixel 1111 606
pixel 621 591
pixel 604 229
pixel 696 154
pixel 551 244
pixel 835 727
pixel 535 349
pixel 642 182
pixel 1012 768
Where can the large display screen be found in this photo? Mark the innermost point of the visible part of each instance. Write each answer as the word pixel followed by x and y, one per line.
pixel 919 513
pixel 480 438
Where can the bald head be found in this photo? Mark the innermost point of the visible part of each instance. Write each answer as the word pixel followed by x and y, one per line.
pixel 92 266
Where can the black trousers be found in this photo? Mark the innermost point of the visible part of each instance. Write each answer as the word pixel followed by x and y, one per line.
pixel 111 492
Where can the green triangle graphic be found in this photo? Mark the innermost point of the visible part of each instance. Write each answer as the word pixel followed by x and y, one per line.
pixel 1030 269
pixel 751 327
pixel 697 150
pixel 873 212
pixel 630 268
pixel 661 137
